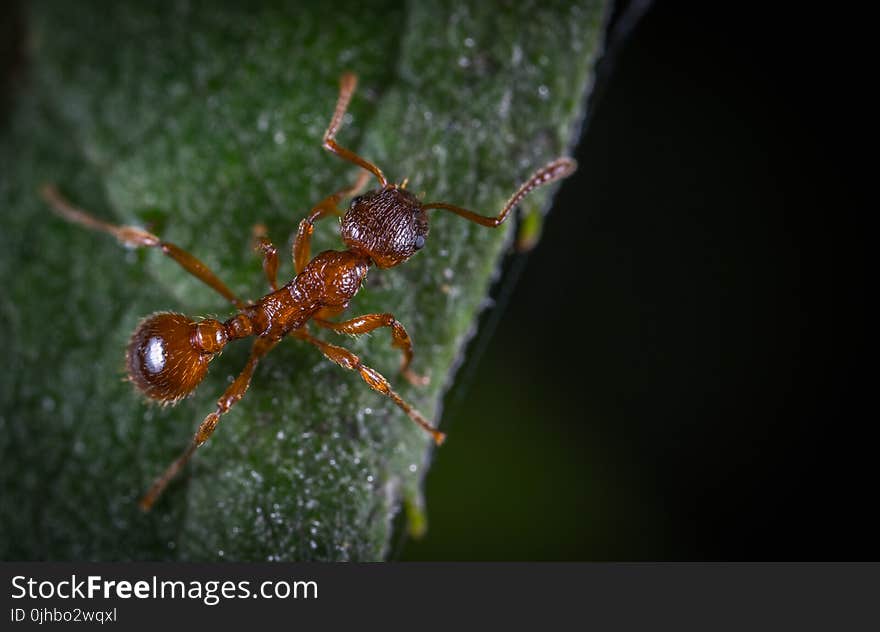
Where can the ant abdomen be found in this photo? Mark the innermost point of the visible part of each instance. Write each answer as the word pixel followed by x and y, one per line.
pixel 168 354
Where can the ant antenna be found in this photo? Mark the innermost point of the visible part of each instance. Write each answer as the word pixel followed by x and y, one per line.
pixel 551 172
pixel 347 84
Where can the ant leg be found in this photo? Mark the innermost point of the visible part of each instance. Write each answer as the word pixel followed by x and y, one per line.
pixel 229 398
pixel 347 85
pixel 552 171
pixel 263 244
pixel 399 338
pixel 347 360
pixel 328 206
pixel 134 237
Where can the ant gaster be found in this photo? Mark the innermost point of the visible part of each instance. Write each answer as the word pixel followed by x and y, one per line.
pixel 169 353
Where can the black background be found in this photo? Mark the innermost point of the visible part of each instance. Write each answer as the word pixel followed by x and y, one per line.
pixel 683 371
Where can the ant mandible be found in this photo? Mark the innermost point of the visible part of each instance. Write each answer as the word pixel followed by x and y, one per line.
pixel 169 353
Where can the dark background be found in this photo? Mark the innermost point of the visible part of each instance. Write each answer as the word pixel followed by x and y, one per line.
pixel 682 370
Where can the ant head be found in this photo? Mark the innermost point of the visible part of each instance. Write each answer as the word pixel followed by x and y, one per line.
pixel 388 224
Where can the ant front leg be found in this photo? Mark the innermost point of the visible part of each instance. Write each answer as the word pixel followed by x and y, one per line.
pixel 263 244
pixel 399 338
pixel 134 237
pixel 302 245
pixel 375 380
pixel 230 397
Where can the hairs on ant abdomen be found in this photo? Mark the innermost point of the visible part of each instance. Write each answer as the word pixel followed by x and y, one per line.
pixel 169 353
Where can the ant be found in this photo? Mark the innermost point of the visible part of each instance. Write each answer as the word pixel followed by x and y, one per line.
pixel 168 354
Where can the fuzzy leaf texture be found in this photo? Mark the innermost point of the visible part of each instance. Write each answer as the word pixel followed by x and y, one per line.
pixel 200 120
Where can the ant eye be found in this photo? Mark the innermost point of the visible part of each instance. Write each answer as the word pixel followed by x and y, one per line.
pixel 419 242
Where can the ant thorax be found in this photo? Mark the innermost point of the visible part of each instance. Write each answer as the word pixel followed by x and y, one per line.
pixel 389 225
pixel 330 280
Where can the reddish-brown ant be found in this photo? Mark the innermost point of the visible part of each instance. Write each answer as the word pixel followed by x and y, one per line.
pixel 169 353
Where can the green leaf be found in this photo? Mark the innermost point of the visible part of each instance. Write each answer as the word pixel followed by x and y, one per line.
pixel 200 120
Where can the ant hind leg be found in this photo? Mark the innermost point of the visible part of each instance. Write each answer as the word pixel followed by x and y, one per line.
pixel 134 237
pixel 230 397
